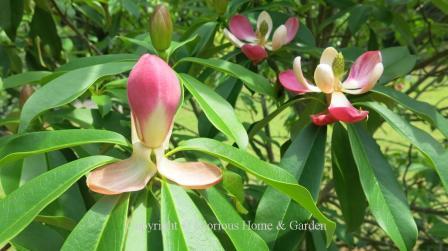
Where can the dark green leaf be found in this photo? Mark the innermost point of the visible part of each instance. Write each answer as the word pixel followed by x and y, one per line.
pixel 397 62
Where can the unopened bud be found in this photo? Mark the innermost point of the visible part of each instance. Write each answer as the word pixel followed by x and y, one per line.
pixel 339 65
pixel 161 28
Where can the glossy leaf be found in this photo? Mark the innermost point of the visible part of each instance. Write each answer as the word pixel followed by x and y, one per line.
pixel 24 78
pixel 430 147
pixel 219 112
pixel 397 62
pixel 36 194
pixel 422 109
pixel 304 159
pixel 387 201
pixel 94 223
pixel 66 88
pixel 57 221
pixel 346 179
pixel 184 228
pixel 253 81
pixel 97 60
pixel 271 174
pixel 242 237
pixel 23 145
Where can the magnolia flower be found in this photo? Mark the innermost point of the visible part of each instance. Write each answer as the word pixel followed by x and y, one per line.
pixel 363 76
pixel 154 95
pixel 253 44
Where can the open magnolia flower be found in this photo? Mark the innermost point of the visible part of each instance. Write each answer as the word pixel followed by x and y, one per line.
pixel 363 76
pixel 253 43
pixel 154 95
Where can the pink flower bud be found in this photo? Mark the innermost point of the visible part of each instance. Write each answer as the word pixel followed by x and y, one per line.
pixel 161 28
pixel 154 95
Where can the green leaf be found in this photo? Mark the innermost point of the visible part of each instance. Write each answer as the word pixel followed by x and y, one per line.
pixel 242 237
pixel 442 5
pixel 43 26
pixel 67 88
pixel 217 109
pixel 174 46
pixel 358 16
pixel 253 80
pixel 271 174
pixel 346 180
pixel 386 199
pixel 184 228
pixel 23 145
pixel 20 207
pixel 145 44
pixel 304 159
pixel 397 62
pixel 430 147
pixel 11 12
pixel 96 60
pixel 144 231
pixel 24 78
pixel 113 236
pixel 422 109
pixel 89 231
pixel 61 222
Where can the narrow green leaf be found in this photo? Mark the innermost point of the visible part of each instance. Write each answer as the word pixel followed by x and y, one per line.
pixel 184 228
pixel 174 46
pixel 23 145
pixel 96 60
pixel 304 159
pixel 24 78
pixel 217 109
pixel 422 109
pixel 346 179
pixel 57 221
pixel 67 88
pixel 114 234
pixel 253 80
pixel 89 231
pixel 242 237
pixel 397 62
pixel 20 207
pixel 387 201
pixel 430 147
pixel 271 174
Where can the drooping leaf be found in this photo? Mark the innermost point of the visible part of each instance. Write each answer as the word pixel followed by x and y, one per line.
pixel 242 237
pixel 346 179
pixel 387 201
pixel 253 81
pixel 422 109
pixel 430 147
pixel 36 194
pixel 184 227
pixel 219 112
pixel 271 174
pixel 22 145
pixel 66 88
pixel 304 159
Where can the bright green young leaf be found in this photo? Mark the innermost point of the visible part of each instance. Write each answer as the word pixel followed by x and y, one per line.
pixel 24 78
pixel 89 231
pixel 67 88
pixel 304 159
pixel 242 237
pixel 387 201
pixel 430 147
pixel 218 110
pixel 253 80
pixel 271 174
pixel 36 194
pixel 144 231
pixel 114 234
pixel 184 228
pixel 422 109
pixel 346 179
pixel 23 145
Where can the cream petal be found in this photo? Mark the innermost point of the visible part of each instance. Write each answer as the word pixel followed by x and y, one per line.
pixel 264 16
pixel 297 67
pixel 324 77
pixel 279 38
pixel 193 175
pixel 328 56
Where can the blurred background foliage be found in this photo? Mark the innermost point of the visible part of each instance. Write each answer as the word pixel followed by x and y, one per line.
pixel 40 35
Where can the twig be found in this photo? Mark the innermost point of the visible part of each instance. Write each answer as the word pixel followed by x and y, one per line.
pixel 267 130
